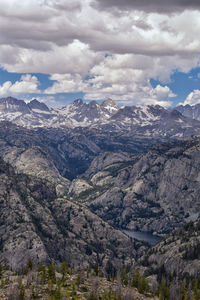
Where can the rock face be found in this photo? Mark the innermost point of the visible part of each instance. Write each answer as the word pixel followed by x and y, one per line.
pixel 178 255
pixel 190 111
pixel 35 224
pixel 37 106
pixel 79 113
pixel 156 191
pixel 17 111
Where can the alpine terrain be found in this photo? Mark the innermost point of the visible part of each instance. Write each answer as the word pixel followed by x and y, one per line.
pixel 73 179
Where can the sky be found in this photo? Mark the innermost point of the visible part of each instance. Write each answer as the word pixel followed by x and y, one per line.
pixel 136 52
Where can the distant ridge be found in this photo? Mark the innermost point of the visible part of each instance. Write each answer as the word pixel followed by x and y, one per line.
pixel 150 121
pixel 190 111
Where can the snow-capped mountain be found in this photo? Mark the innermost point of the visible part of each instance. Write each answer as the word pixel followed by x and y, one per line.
pixel 79 113
pixel 152 120
pixel 190 111
pixel 29 114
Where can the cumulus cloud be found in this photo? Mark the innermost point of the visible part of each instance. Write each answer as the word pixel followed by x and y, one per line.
pixel 74 58
pixel 50 101
pixel 26 84
pixel 44 25
pixel 66 83
pixel 109 52
pixel 145 95
pixel 193 98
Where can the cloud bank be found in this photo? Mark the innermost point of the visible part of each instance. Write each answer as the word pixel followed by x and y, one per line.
pixel 107 48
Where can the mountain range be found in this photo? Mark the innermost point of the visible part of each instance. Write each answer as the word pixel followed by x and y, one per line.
pixel 150 121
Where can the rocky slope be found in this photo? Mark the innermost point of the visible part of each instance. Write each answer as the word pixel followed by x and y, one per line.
pixel 67 152
pixel 35 224
pixel 156 191
pixel 178 255
pixel 60 282
pixel 83 114
pixel 191 111
pixel 31 114
pixel 152 120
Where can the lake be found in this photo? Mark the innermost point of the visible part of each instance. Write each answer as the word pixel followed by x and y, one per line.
pixel 143 236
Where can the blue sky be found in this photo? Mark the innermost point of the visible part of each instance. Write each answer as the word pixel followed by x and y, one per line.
pixel 181 84
pixel 135 52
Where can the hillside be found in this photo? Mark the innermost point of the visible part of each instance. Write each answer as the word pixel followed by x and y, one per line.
pixel 177 256
pixel 156 191
pixel 35 224
pixel 61 282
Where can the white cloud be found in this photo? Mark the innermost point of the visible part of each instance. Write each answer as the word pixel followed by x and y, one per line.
pixel 193 98
pixel 26 84
pixel 121 77
pixel 50 101
pixel 70 40
pixel 74 58
pixel 126 79
pixel 163 92
pixel 141 96
pixel 66 83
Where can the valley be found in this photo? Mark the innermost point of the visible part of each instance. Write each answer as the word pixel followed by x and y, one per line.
pixel 70 180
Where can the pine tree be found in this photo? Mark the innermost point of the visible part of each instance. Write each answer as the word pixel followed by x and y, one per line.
pixel 183 292
pixel 195 289
pixel 51 273
pixel 136 278
pixel 64 270
pixel 97 269
pixel 42 273
pixel 164 290
pixel 29 264
pixel 21 293
pixel 124 277
pixel 143 286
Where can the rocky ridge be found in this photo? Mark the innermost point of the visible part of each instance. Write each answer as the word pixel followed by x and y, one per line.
pixel 36 224
pixel 190 111
pixel 156 191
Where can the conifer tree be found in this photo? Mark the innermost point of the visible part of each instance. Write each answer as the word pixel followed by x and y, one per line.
pixel 195 290
pixel 64 270
pixel 51 273
pixel 183 292
pixel 164 290
pixel 22 292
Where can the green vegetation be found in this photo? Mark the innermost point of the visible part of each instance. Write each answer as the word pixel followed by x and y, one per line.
pixel 60 282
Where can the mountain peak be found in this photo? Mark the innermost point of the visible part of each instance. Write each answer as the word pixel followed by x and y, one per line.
pixel 78 102
pixel 110 105
pixel 11 104
pixel 35 104
pixel 93 103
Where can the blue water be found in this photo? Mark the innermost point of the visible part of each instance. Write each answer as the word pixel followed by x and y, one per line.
pixel 143 236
